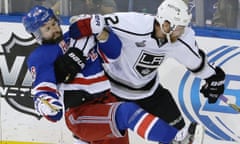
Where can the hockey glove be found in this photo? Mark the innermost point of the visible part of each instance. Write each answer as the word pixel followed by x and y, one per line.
pixel 68 65
pixel 86 25
pixel 49 107
pixel 214 86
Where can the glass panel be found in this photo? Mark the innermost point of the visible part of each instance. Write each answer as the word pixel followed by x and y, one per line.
pixel 92 6
pixel 1 6
pixel 146 6
pixel 22 6
pixel 223 13
pixel 214 13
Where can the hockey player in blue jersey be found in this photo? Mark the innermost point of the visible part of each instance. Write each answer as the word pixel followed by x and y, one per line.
pixel 68 79
pixel 45 65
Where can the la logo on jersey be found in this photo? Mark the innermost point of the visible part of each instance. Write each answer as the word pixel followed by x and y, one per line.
pixel 147 63
pixel 15 79
pixel 219 119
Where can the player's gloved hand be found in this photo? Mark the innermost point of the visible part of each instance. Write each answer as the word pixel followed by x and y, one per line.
pixel 86 25
pixel 68 65
pixel 49 107
pixel 214 86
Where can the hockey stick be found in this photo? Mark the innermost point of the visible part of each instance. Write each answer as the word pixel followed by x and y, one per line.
pixel 228 102
pixel 52 107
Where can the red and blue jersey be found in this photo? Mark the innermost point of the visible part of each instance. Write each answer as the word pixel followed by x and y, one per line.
pixel 91 79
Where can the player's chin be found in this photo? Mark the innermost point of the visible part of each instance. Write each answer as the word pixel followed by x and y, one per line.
pixel 57 35
pixel 53 40
pixel 173 39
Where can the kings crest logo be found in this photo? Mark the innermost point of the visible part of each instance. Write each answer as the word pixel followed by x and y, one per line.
pixel 219 119
pixel 15 80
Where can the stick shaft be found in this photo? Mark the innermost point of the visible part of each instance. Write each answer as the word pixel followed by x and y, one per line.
pixel 227 101
pixel 49 105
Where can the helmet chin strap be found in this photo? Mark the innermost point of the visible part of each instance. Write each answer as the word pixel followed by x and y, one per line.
pixel 168 33
pixel 168 37
pixel 37 36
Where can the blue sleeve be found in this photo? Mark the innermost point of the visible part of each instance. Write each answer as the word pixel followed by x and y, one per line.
pixel 112 47
pixel 66 37
pixel 41 64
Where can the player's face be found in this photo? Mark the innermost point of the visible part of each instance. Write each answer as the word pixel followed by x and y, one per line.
pixel 51 30
pixel 175 32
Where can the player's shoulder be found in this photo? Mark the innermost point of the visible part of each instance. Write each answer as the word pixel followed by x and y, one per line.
pixel 129 14
pixel 44 53
pixel 37 52
pixel 132 22
pixel 188 36
pixel 189 33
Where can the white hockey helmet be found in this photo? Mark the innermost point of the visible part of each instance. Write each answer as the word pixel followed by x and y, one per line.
pixel 175 12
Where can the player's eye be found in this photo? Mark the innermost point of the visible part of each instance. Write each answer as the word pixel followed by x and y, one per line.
pixel 54 23
pixel 48 29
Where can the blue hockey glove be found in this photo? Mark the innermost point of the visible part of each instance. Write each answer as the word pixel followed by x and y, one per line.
pixel 86 25
pixel 49 107
pixel 214 86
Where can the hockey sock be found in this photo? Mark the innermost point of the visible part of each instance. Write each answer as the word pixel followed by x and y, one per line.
pixel 129 115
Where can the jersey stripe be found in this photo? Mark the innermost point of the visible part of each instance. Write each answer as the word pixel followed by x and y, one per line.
pixel 45 88
pixel 88 81
pixel 103 56
pixel 189 47
pixel 144 125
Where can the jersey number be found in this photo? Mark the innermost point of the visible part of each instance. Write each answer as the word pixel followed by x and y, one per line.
pixel 113 20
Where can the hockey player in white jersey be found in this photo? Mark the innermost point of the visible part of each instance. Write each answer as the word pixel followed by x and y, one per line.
pixel 147 41
pixel 73 72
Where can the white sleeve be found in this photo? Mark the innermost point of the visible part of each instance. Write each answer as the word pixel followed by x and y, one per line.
pixel 186 52
pixel 85 44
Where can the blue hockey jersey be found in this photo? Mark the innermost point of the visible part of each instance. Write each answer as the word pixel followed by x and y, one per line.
pixel 91 79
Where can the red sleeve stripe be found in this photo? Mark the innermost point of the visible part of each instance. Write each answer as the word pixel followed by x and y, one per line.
pixel 46 88
pixel 144 125
pixel 103 56
pixel 89 81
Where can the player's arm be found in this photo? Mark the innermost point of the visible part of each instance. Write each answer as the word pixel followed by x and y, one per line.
pixel 214 83
pixel 110 49
pixel 199 65
pixel 214 78
pixel 44 91
pixel 46 101
pixel 86 25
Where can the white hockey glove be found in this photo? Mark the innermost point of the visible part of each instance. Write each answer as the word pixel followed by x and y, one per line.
pixel 49 107
pixel 86 25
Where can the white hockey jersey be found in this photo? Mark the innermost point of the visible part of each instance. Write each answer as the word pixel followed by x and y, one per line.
pixel 134 75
